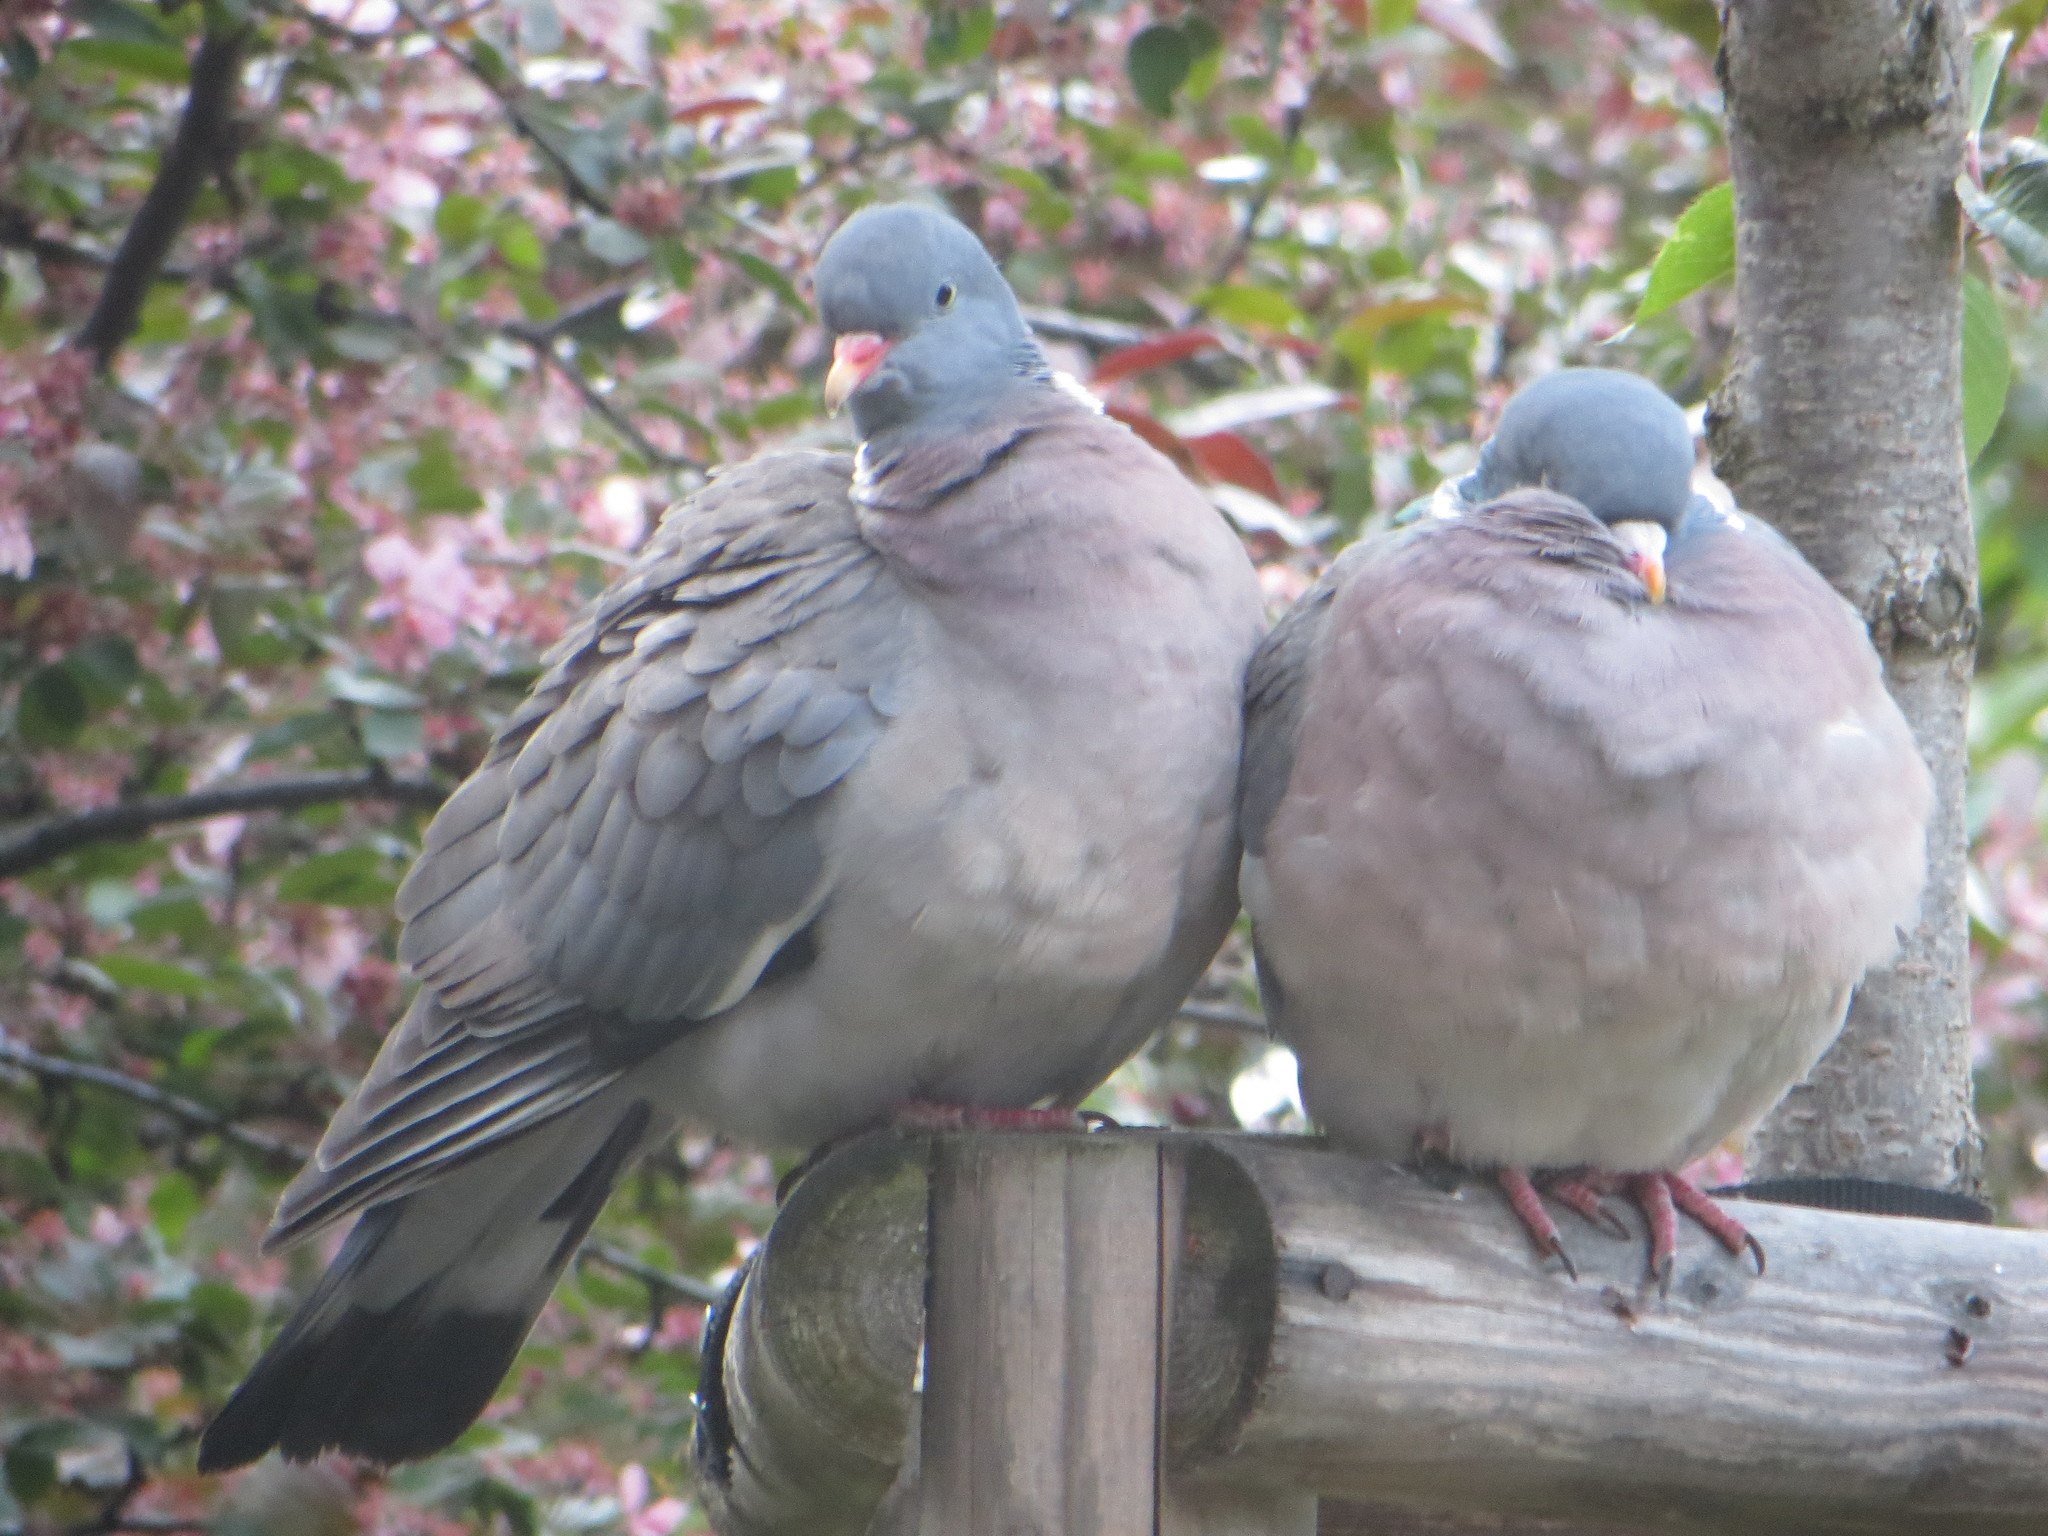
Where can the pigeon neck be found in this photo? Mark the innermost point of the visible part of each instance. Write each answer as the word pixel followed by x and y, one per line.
pixel 943 421
pixel 914 467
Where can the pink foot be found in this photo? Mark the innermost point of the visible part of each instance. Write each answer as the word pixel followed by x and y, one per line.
pixel 1661 1197
pixel 1585 1193
pixel 1527 1205
pixel 918 1115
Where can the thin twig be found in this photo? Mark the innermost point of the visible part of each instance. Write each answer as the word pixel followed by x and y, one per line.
pixel 203 132
pixel 507 98
pixel 678 1287
pixel 1224 1016
pixel 612 416
pixel 46 841
pixel 1089 330
pixel 1296 118
pixel 582 310
pixel 59 1069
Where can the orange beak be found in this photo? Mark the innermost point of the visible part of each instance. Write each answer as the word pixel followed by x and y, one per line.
pixel 854 356
pixel 1643 548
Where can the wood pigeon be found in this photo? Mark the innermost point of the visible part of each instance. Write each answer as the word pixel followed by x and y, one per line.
pixel 1573 811
pixel 900 777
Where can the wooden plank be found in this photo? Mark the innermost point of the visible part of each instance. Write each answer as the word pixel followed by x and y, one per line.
pixel 1041 1386
pixel 1886 1376
pixel 1343 1327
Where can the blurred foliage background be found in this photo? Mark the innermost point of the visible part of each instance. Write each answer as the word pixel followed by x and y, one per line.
pixel 420 311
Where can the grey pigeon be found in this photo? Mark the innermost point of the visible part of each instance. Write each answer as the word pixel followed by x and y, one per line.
pixel 1572 814
pixel 897 778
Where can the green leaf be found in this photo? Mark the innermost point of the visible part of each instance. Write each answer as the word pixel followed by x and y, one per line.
pixel 769 276
pixel 166 316
pixel 2020 18
pixel 1700 250
pixel 1987 365
pixel 775 186
pixel 145 975
pixel 173 1202
pixel 1699 20
pixel 1389 16
pixel 52 709
pixel 353 877
pixel 1158 61
pixel 392 733
pixel 438 479
pixel 370 692
pixel 958 34
pixel 2013 210
pixel 106 669
pixel 1046 210
pixel 120 18
pixel 460 218
pixel 23 62
pixel 158 63
pixel 613 243
pixel 1249 304
pixel 1987 59
pixel 519 246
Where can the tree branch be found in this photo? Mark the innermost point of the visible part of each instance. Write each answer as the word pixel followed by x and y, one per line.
pixel 545 353
pixel 507 98
pixel 59 1069
pixel 663 1282
pixel 1840 421
pixel 1224 1016
pixel 46 841
pixel 202 135
pixel 1295 118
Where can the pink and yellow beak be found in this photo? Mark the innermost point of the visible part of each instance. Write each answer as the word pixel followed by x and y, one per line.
pixel 1643 547
pixel 854 356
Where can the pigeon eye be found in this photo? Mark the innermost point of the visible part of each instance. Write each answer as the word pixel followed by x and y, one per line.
pixel 946 295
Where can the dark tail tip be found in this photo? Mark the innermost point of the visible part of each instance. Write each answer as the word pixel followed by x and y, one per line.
pixel 384 1386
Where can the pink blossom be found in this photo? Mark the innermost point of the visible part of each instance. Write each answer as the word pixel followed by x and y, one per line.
pixel 658 1518
pixel 17 551
pixel 434 592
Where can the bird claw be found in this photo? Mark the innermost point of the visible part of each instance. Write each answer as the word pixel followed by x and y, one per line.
pixel 1527 1204
pixel 1725 1229
pixel 1660 1196
pixel 1579 1193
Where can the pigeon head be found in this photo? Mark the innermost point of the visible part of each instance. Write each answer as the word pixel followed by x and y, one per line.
pixel 1614 443
pixel 927 335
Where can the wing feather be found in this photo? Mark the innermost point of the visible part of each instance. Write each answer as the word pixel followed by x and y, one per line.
pixel 644 835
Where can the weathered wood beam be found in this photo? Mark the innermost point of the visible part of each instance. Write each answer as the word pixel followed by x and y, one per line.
pixel 1042 1336
pixel 1342 1328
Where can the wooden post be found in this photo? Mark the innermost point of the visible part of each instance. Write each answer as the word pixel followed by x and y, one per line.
pixel 1041 1386
pixel 1339 1329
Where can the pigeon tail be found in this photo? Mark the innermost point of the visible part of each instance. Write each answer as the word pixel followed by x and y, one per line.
pixel 400 1346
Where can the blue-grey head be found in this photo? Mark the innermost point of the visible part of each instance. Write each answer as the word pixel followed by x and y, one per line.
pixel 927 335
pixel 1614 443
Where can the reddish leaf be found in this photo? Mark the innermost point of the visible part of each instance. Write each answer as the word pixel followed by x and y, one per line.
pixel 1156 352
pixel 716 106
pixel 1374 318
pixel 1226 456
pixel 1014 40
pixel 1159 435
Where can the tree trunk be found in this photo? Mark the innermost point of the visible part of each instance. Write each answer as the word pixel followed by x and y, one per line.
pixel 1841 424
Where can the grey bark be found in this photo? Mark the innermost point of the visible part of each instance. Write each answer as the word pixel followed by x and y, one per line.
pixel 1841 424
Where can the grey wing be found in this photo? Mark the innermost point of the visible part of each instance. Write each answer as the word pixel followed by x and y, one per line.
pixel 643 838
pixel 1276 687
